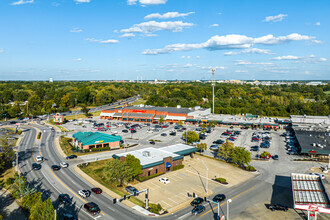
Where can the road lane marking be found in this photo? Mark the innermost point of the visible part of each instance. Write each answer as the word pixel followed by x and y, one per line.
pixel 227 199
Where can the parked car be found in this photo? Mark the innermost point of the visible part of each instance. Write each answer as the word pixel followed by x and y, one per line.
pixel 64 198
pixel 96 190
pixel 254 148
pixel 278 207
pixel 164 134
pixel 36 166
pixel 56 167
pixel 92 208
pixel 197 210
pixel 197 201
pixel 173 133
pixel 164 180
pixel 131 189
pixel 133 131
pixel 231 139
pixel 275 157
pixel 125 131
pixel 39 158
pixel 214 147
pixel 64 164
pixel 202 136
pixel 152 142
pixel 71 156
pixel 218 141
pixel 84 193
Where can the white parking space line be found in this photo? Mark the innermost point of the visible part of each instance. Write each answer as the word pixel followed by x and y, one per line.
pixel 173 201
pixel 147 186
pixel 161 202
pixel 184 195
pixel 196 190
pixel 155 185
pixel 173 178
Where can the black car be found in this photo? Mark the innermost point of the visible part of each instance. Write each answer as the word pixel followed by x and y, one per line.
pixel 96 190
pixel 71 156
pixel 218 141
pixel 36 166
pixel 254 148
pixel 278 207
pixel 125 131
pixel 131 189
pixel 197 210
pixel 152 142
pixel 275 157
pixel 64 198
pixel 219 198
pixel 197 201
pixel 214 147
pixel 133 131
pixel 202 136
pixel 173 133
pixel 92 208
pixel 164 134
pixel 56 167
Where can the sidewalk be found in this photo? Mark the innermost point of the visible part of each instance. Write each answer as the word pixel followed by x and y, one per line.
pixel 10 208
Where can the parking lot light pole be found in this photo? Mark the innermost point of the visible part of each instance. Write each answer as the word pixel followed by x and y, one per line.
pixel 228 201
pixel 207 176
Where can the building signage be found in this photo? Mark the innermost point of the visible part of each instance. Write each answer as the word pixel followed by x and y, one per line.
pixel 312 151
pixel 313 208
pixel 151 168
pixel 97 142
pixel 139 111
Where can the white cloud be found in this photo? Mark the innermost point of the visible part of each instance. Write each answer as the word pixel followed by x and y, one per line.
pixel 317 41
pixel 109 41
pixel 82 1
pixel 188 65
pixel 275 18
pixel 309 59
pixel 211 67
pixel 78 59
pixel 241 71
pixel 198 57
pixel 76 30
pixel 146 2
pixel 249 50
pixel 318 23
pixel 167 15
pixel 1 50
pixel 233 41
pixel 214 25
pixel 153 26
pixel 22 2
pixel 245 62
pixel 128 35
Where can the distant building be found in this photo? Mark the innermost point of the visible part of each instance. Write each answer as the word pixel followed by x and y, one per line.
pixel 307 119
pixel 315 83
pixel 159 160
pixel 89 140
pixel 153 114
pixel 51 80
pixel 58 117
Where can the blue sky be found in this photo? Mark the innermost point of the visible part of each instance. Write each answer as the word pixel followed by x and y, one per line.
pixel 164 39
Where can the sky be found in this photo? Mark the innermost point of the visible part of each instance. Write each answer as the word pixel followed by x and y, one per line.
pixel 164 39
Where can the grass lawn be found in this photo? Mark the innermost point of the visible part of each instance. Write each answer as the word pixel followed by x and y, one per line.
pixel 82 115
pixel 138 102
pixel 10 173
pixel 95 170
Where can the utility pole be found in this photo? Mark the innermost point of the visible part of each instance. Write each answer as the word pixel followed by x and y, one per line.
pixel 213 84
pixel 228 201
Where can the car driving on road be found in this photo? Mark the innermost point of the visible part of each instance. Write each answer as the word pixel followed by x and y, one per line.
pixel 84 193
pixel 56 167
pixel 92 208
pixel 219 198
pixel 197 201
pixel 198 209
pixel 64 198
pixel 96 190
pixel 64 164
pixel 131 189
pixel 71 156
pixel 39 158
pixel 36 166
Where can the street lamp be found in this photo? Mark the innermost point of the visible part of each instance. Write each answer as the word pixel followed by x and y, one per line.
pixel 213 84
pixel 207 176
pixel 228 201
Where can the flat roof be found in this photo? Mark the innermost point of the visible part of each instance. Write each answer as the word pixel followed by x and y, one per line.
pixel 163 109
pixel 91 138
pixel 308 190
pixel 311 141
pixel 181 149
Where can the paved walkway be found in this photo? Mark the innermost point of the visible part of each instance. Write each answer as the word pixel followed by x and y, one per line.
pixel 9 207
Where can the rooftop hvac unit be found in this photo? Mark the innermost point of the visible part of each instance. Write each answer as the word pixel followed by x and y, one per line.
pixel 146 154
pixel 314 144
pixel 178 106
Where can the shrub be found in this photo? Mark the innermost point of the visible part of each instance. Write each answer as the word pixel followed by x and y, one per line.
pixel 86 150
pixel 155 208
pixel 39 135
pixel 10 181
pixel 250 168
pixel 178 167
pixel 144 178
pixel 221 180
pixel 100 149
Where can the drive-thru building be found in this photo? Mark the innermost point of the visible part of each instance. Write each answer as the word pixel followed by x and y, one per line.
pixel 159 160
pixel 89 140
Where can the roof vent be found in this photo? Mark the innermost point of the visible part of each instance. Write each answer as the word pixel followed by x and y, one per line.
pixel 178 106
pixel 146 154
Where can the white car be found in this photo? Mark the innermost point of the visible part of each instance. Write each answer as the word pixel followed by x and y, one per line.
pixel 114 132
pixel 150 131
pixel 39 158
pixel 318 174
pixel 164 180
pixel 84 193
pixel 64 164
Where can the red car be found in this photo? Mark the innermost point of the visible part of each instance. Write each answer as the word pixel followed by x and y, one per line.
pixel 108 126
pixel 96 190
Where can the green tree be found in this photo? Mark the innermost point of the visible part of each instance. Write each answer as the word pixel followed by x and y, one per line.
pixel 201 147
pixel 6 153
pixel 241 156
pixel 225 151
pixel 134 164
pixel 85 110
pixel 42 210
pixel 190 136
pixel 117 172
pixel 161 120
pixel 30 200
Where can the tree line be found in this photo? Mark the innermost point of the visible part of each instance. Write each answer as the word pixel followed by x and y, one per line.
pixel 277 100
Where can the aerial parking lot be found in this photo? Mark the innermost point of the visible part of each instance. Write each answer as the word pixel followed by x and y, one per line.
pixel 192 179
